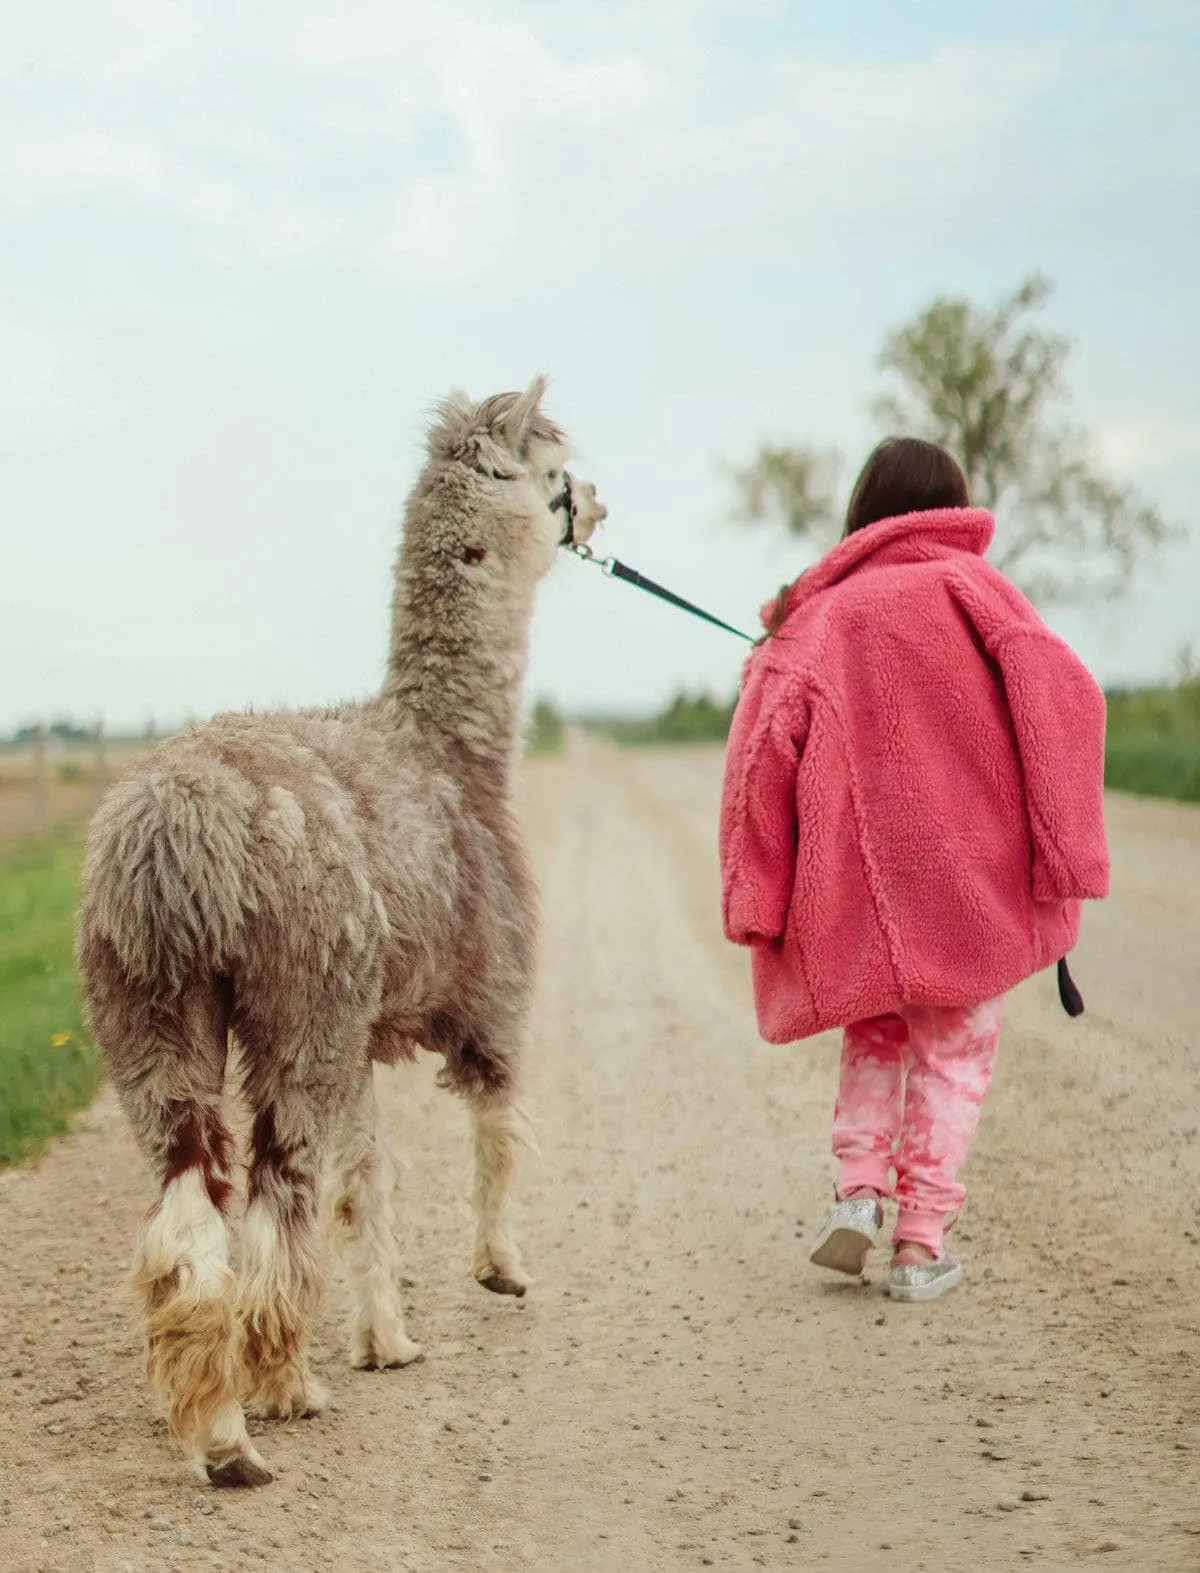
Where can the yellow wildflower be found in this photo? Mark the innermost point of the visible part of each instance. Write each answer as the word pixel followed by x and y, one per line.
pixel 60 1038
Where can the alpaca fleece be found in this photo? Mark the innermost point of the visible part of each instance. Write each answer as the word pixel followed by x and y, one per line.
pixel 913 799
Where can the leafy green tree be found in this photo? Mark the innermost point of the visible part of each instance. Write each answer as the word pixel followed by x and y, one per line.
pixel 988 385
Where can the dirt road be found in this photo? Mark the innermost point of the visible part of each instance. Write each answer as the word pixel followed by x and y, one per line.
pixel 681 1389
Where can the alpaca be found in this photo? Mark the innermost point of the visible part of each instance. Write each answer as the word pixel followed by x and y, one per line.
pixel 322 890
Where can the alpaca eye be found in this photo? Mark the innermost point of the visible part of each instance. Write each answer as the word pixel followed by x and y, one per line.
pixel 474 555
pixel 551 475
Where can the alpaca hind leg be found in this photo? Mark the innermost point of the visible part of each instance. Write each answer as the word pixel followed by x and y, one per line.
pixel 500 1134
pixel 281 1267
pixel 363 1221
pixel 183 1279
pixel 168 1067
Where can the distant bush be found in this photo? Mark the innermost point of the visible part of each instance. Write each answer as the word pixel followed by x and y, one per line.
pixel 689 718
pixel 545 735
pixel 68 771
pixel 1154 741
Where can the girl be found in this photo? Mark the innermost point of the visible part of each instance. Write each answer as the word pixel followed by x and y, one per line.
pixel 912 812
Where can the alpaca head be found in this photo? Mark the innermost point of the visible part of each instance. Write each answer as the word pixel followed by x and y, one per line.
pixel 505 459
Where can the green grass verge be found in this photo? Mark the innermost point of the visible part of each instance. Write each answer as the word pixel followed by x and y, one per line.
pixel 1154 742
pixel 47 1067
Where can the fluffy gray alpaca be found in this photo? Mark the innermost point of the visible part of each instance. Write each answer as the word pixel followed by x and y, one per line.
pixel 322 890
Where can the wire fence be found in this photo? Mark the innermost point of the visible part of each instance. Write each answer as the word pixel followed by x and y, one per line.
pixel 47 779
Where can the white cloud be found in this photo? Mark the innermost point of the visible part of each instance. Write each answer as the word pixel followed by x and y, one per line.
pixel 459 142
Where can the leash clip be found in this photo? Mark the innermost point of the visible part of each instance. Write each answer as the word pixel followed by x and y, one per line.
pixel 606 565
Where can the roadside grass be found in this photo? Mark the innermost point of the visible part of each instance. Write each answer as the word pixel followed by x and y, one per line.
pixel 1154 742
pixel 47 1068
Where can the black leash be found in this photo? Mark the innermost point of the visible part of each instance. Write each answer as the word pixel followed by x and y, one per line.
pixel 612 568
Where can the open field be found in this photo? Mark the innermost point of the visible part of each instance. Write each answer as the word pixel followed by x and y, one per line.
pixel 73 784
pixel 680 1389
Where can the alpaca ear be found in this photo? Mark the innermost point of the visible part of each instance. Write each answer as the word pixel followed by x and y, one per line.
pixel 520 417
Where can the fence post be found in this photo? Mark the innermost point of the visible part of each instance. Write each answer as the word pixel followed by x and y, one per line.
pixel 101 760
pixel 39 777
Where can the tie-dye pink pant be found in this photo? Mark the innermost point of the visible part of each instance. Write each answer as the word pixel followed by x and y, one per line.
pixel 911 1089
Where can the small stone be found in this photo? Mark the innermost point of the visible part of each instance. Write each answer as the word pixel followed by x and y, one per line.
pixel 485 1477
pixel 1008 1506
pixel 56 1428
pixel 1035 1496
pixel 996 1454
pixel 792 1540
pixel 881 1321
pixel 160 1523
pixel 794 1523
pixel 1109 1545
pixel 185 1537
pixel 984 1425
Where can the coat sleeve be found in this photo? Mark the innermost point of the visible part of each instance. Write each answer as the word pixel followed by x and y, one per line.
pixel 1058 715
pixel 758 811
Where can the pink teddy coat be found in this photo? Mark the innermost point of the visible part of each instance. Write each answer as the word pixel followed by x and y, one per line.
pixel 913 797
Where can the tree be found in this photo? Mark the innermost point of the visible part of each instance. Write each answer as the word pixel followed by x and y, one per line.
pixel 988 386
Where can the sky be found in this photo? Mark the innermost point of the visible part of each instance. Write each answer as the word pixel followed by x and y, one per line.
pixel 244 249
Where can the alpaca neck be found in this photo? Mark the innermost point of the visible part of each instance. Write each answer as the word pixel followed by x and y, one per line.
pixel 463 682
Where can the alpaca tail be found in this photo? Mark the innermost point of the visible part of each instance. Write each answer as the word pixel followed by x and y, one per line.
pixel 166 875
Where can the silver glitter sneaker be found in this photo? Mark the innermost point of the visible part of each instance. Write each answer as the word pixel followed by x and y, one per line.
pixel 849 1233
pixel 924 1281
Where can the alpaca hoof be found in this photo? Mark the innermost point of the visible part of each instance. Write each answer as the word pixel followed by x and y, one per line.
pixel 239 1471
pixel 387 1354
pixel 499 1284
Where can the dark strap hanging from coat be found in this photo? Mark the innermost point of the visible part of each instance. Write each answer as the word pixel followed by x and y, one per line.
pixel 1072 999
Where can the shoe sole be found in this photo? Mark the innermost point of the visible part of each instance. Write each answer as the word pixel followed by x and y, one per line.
pixel 911 1294
pixel 845 1251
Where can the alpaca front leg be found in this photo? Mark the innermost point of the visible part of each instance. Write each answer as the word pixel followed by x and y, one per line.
pixel 364 1220
pixel 500 1132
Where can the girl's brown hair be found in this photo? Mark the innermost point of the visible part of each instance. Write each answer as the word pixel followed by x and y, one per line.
pixel 902 475
pixel 905 475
